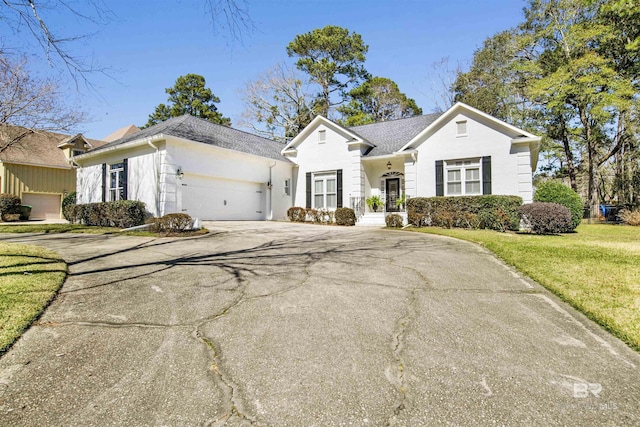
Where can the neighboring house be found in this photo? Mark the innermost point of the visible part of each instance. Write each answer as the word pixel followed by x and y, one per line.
pixel 190 165
pixel 121 133
pixel 462 151
pixel 39 170
pixel 214 172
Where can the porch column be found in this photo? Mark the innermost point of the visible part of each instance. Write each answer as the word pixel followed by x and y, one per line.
pixel 356 189
pixel 410 177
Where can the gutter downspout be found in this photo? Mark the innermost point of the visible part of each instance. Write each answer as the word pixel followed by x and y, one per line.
pixel 270 188
pixel 157 176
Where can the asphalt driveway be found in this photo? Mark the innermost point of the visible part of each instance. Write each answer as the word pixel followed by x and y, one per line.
pixel 289 324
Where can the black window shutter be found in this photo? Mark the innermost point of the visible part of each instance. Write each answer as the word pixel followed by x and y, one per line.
pixel 104 182
pixel 486 175
pixel 439 178
pixel 339 187
pixel 308 189
pixel 125 185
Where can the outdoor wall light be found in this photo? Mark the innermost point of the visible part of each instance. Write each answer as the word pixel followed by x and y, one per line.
pixel 389 165
pixel 179 172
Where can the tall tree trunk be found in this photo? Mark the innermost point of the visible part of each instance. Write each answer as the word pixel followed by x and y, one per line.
pixel 568 152
pixel 591 187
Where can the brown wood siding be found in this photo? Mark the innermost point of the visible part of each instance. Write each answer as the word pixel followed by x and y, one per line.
pixel 18 179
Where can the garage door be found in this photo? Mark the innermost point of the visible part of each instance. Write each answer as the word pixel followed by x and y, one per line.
pixel 44 206
pixel 220 199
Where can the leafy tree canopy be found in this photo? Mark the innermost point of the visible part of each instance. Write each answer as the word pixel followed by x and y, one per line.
pixel 332 57
pixel 377 100
pixel 189 96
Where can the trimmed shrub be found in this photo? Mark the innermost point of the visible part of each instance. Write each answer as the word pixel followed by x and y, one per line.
pixel 345 216
pixel 631 217
pixel 489 211
pixel 11 217
pixel 297 214
pixel 557 192
pixel 546 218
pixel 120 213
pixel 325 216
pixel 312 215
pixel 9 205
pixel 68 201
pixel 172 223
pixel 394 221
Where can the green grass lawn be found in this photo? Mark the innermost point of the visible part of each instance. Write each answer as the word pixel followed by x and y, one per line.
pixel 596 270
pixel 29 279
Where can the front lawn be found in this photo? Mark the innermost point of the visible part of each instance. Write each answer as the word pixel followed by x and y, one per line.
pixel 596 270
pixel 29 279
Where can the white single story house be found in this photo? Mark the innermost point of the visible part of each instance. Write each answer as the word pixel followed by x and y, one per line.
pixel 217 173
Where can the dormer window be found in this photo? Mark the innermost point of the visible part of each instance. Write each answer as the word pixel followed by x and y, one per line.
pixel 77 152
pixel 322 136
pixel 461 128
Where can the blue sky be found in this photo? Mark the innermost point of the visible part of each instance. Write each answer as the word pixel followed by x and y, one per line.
pixel 148 44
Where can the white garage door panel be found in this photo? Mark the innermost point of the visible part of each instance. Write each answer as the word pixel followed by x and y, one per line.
pixel 44 206
pixel 218 199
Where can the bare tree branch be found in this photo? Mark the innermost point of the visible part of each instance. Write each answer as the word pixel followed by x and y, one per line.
pixel 278 104
pixel 230 16
pixel 29 105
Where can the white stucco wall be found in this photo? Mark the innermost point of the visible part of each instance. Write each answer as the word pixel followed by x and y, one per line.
pixel 89 184
pixel 510 167
pixel 142 173
pixel 152 176
pixel 196 159
pixel 333 154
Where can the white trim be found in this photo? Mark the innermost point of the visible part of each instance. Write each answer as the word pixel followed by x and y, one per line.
pixel 449 165
pixel 67 168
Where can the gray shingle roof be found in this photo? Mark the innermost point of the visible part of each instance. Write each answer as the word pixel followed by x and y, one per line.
pixel 200 130
pixel 391 136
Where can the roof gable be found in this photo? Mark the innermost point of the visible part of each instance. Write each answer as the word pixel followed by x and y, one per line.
pixel 315 123
pixel 452 112
pixel 121 133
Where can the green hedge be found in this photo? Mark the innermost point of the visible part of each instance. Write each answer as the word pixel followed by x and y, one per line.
pixel 493 212
pixel 67 205
pixel 557 192
pixel 121 214
pixel 9 204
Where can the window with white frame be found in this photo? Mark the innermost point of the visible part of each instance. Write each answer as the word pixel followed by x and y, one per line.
pixel 322 136
pixel 463 177
pixel 287 187
pixel 325 191
pixel 461 128
pixel 117 181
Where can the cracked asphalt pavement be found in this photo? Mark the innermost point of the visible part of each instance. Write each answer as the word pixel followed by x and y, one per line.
pixel 300 325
